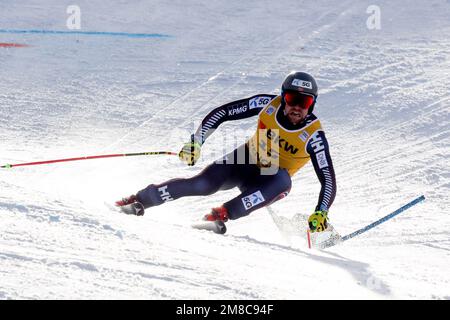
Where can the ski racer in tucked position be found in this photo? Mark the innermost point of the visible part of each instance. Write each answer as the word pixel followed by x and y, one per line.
pixel 288 135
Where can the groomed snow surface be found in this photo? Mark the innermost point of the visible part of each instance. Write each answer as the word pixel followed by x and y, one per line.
pixel 384 103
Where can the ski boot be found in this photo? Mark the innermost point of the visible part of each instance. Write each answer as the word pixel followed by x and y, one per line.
pixel 131 205
pixel 217 214
pixel 215 221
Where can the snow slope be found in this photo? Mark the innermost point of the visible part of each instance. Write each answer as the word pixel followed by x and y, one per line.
pixel 384 103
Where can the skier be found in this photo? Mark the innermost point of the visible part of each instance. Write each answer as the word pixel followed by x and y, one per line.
pixel 288 135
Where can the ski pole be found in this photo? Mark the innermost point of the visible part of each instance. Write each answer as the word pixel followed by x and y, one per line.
pixel 327 243
pixel 384 219
pixel 9 166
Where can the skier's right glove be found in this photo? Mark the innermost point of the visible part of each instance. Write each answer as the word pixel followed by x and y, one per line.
pixel 190 152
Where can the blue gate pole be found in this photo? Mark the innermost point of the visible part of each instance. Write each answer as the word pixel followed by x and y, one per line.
pixel 384 219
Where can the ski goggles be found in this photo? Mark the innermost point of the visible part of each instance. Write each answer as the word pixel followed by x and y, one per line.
pixel 304 100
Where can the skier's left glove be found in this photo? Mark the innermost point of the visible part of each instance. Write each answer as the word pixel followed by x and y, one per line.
pixel 190 152
pixel 318 221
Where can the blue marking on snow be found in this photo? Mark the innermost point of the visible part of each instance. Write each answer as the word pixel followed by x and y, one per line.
pixel 89 33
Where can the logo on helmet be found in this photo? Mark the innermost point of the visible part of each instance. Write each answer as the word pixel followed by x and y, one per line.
pixel 302 83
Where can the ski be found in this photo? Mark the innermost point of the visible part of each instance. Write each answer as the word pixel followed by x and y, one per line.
pixel 214 226
pixel 135 208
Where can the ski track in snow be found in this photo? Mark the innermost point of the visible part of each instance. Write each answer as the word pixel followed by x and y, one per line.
pixel 383 101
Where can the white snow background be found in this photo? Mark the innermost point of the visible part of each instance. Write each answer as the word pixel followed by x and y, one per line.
pixel 384 103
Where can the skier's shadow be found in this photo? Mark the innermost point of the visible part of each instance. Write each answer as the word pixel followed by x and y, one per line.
pixel 359 270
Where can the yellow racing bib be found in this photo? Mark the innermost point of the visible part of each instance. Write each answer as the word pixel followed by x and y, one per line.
pixel 273 146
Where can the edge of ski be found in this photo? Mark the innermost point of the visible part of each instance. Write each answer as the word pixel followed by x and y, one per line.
pixel 214 226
